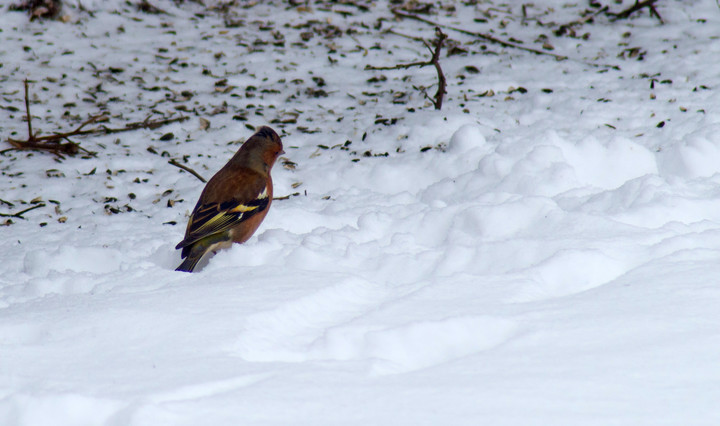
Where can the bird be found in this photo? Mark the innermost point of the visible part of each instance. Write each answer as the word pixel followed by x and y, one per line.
pixel 234 201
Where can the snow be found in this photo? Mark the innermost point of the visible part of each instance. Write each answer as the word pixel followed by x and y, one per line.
pixel 547 257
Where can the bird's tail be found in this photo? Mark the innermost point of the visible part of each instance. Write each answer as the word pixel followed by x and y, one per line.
pixel 190 262
pixel 194 252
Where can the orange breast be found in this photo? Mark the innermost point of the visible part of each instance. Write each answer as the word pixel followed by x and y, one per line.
pixel 246 229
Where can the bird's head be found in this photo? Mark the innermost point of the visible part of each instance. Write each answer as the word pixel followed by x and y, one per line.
pixel 260 151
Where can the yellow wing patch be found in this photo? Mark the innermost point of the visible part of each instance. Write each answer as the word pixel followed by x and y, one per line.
pixel 213 218
pixel 242 208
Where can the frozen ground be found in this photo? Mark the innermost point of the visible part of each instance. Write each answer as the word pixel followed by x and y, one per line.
pixel 543 250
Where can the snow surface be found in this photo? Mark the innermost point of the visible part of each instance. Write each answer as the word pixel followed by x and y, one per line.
pixel 546 257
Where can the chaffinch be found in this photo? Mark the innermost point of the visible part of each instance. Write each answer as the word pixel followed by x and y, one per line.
pixel 234 201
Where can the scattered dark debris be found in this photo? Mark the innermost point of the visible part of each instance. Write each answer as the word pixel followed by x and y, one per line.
pixel 287 164
pixel 308 130
pixel 146 7
pixel 39 9
pixel 387 121
pixel 287 197
pixel 319 81
pixel 54 173
pixel 632 53
pixel 315 93
pixel 416 7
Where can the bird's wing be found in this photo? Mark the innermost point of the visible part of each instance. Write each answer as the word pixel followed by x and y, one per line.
pixel 213 217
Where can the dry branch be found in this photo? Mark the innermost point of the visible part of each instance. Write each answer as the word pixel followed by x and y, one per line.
pixel 442 83
pixel 435 61
pixel 32 143
pixel 563 29
pixel 187 169
pixel 650 4
pixel 483 36
pixel 53 143
pixel 20 214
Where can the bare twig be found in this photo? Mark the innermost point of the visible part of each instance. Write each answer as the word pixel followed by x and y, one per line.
pixel 411 37
pixel 398 66
pixel 650 4
pixel 187 169
pixel 435 61
pixel 483 36
pixel 32 142
pixel 27 111
pixel 21 213
pixel 562 29
pixel 146 124
pixel 423 90
pixel 52 143
pixel 442 83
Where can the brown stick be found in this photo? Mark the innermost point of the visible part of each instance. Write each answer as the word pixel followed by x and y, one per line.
pixel 397 67
pixel 479 35
pixel 391 31
pixel 435 61
pixel 51 143
pixel 69 148
pixel 27 111
pixel 21 213
pixel 187 169
pixel 650 4
pixel 442 83
pixel 58 149
pixel 562 29
pixel 102 130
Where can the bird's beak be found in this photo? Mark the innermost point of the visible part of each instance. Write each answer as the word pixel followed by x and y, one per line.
pixel 282 151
